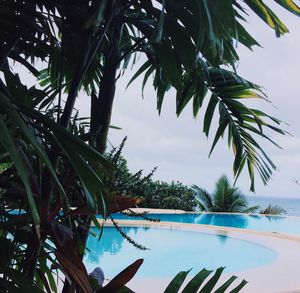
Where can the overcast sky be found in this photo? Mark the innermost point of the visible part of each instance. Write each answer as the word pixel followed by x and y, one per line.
pixel 177 145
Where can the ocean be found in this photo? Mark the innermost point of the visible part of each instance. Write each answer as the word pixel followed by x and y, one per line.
pixel 291 205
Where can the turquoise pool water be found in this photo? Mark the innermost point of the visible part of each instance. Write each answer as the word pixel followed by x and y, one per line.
pixel 172 251
pixel 277 224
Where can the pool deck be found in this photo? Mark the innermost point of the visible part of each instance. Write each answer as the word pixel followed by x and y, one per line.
pixel 280 276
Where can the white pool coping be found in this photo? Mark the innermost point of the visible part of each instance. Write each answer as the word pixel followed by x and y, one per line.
pixel 169 211
pixel 282 275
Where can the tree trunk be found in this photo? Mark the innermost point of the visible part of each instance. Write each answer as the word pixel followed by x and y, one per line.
pixel 101 106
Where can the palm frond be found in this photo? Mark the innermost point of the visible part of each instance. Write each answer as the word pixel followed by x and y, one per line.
pixel 205 199
pixel 225 198
pixel 273 210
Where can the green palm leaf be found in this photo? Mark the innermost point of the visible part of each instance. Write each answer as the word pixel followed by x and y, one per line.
pixel 225 198
pixel 203 277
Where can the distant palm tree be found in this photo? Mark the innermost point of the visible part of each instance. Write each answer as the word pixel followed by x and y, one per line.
pixel 225 198
pixel 272 210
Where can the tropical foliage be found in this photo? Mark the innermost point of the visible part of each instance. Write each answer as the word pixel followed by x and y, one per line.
pixel 88 44
pixel 52 189
pixel 272 210
pixel 152 193
pixel 174 195
pixel 196 283
pixel 225 198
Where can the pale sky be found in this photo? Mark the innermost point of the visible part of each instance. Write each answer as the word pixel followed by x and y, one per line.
pixel 177 145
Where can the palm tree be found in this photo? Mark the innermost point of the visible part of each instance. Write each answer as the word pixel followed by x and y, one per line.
pixel 225 198
pixel 272 210
pixel 87 45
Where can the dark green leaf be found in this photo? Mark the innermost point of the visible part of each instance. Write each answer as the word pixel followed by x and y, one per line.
pixel 176 283
pixel 196 282
pixel 212 281
pixel 209 113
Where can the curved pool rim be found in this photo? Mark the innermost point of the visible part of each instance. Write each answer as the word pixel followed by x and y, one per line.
pixel 266 278
pixel 286 226
pixel 220 230
pixel 177 211
pixel 170 211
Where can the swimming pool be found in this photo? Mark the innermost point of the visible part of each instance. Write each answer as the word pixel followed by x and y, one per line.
pixel 172 251
pixel 279 224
